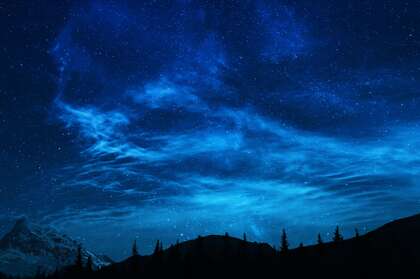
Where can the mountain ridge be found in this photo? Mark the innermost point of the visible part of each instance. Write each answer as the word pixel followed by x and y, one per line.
pixel 28 248
pixel 393 244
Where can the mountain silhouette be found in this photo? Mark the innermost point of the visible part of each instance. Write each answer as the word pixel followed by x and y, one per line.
pixel 392 250
pixel 395 243
pixel 214 248
pixel 28 248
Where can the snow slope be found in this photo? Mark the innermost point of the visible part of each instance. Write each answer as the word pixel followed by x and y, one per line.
pixel 28 247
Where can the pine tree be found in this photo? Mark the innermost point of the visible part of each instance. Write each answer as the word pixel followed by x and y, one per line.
pixel 245 237
pixel 320 245
pixel 284 248
pixel 319 240
pixel 89 264
pixel 134 251
pixel 157 248
pixel 79 260
pixel 337 235
pixel 161 247
pixel 357 243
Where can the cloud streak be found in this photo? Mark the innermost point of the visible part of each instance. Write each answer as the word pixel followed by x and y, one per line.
pixel 179 129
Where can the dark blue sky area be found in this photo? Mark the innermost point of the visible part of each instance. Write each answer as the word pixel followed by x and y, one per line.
pixel 169 119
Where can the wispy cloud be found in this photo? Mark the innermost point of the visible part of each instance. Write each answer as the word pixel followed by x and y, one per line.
pixel 166 94
pixel 170 139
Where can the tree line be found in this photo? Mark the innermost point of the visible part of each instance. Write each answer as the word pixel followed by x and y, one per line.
pixel 284 242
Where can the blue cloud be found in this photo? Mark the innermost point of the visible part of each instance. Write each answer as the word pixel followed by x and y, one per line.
pixel 180 130
pixel 166 94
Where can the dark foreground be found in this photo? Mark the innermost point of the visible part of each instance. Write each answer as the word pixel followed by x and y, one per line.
pixel 392 251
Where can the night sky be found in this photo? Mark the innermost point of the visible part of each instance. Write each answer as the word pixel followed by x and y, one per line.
pixel 170 119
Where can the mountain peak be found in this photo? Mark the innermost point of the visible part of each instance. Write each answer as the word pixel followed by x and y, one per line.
pixel 28 246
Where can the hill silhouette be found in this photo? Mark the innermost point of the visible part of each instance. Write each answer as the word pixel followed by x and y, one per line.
pixel 389 251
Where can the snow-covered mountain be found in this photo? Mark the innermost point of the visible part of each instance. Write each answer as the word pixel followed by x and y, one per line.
pixel 28 247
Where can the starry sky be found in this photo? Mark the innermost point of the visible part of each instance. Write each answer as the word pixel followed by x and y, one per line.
pixel 170 119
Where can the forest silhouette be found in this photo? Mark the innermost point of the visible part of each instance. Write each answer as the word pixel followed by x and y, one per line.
pixel 389 251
